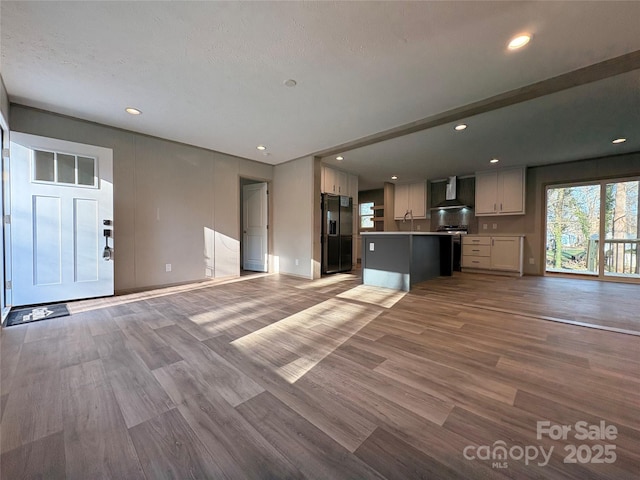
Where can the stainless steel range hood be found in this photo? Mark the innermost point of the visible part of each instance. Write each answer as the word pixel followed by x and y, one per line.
pixel 451 199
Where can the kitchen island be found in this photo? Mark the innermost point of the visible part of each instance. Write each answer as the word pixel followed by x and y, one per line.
pixel 399 260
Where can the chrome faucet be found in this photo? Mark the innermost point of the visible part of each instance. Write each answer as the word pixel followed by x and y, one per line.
pixel 410 213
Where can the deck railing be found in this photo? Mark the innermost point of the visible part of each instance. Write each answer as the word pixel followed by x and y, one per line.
pixel 620 255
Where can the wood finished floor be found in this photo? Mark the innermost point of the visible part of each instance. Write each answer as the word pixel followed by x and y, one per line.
pixel 275 378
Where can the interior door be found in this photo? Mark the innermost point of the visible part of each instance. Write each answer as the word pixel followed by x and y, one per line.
pixel 255 228
pixel 61 196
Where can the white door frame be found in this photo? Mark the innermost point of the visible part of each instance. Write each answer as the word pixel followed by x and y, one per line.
pixel 6 225
pixel 263 228
pixel 600 275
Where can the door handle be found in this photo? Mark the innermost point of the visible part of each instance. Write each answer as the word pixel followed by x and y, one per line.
pixel 107 253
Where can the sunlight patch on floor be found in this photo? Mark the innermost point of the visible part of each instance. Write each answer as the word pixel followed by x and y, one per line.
pixel 306 337
pixel 331 280
pixel 382 297
pixel 79 306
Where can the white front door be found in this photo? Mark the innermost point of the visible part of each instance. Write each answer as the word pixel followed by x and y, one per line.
pixel 61 196
pixel 255 227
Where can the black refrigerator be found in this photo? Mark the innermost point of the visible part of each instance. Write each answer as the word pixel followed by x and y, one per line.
pixel 337 233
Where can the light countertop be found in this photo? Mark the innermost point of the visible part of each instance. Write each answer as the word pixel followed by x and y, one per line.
pixel 408 233
pixel 495 235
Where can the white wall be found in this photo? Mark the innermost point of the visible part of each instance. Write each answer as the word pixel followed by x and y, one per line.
pixel 294 216
pixel 4 124
pixel 173 203
pixel 4 103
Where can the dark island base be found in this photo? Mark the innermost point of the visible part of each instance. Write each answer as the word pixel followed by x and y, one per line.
pixel 400 260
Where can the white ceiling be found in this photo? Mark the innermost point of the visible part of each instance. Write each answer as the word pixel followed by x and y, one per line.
pixel 212 74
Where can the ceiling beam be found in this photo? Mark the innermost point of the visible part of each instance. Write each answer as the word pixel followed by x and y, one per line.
pixel 592 73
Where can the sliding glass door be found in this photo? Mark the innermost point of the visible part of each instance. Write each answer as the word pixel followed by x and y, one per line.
pixel 577 218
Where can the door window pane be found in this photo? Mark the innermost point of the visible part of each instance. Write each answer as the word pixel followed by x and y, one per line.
pixel 86 171
pixel 622 230
pixel 573 223
pixel 66 168
pixel 43 166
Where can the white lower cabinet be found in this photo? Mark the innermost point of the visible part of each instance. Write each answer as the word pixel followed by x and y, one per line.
pixel 497 254
pixel 476 252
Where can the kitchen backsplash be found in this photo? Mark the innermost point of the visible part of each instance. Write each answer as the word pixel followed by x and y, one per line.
pixel 463 216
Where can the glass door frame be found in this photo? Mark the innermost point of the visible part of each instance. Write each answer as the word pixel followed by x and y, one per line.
pixel 603 206
pixel 600 275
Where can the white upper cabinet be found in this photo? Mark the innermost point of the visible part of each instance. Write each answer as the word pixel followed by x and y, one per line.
pixel 338 182
pixel 400 201
pixel 328 184
pixel 410 197
pixel 500 192
pixel 486 193
pixel 511 191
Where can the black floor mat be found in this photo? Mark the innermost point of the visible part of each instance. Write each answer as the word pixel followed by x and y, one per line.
pixel 34 314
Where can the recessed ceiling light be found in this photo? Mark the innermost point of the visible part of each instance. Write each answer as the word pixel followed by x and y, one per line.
pixel 519 41
pixel 290 83
pixel 394 177
pixel 132 111
pixel 619 140
pixel 494 160
pixel 339 157
pixel 261 147
pixel 460 127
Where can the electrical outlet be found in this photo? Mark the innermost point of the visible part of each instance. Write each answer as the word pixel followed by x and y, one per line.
pixel 167 267
pixel 484 226
pixel 532 261
pixel 371 247
pixel 418 227
pixel 297 262
pixel 495 226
